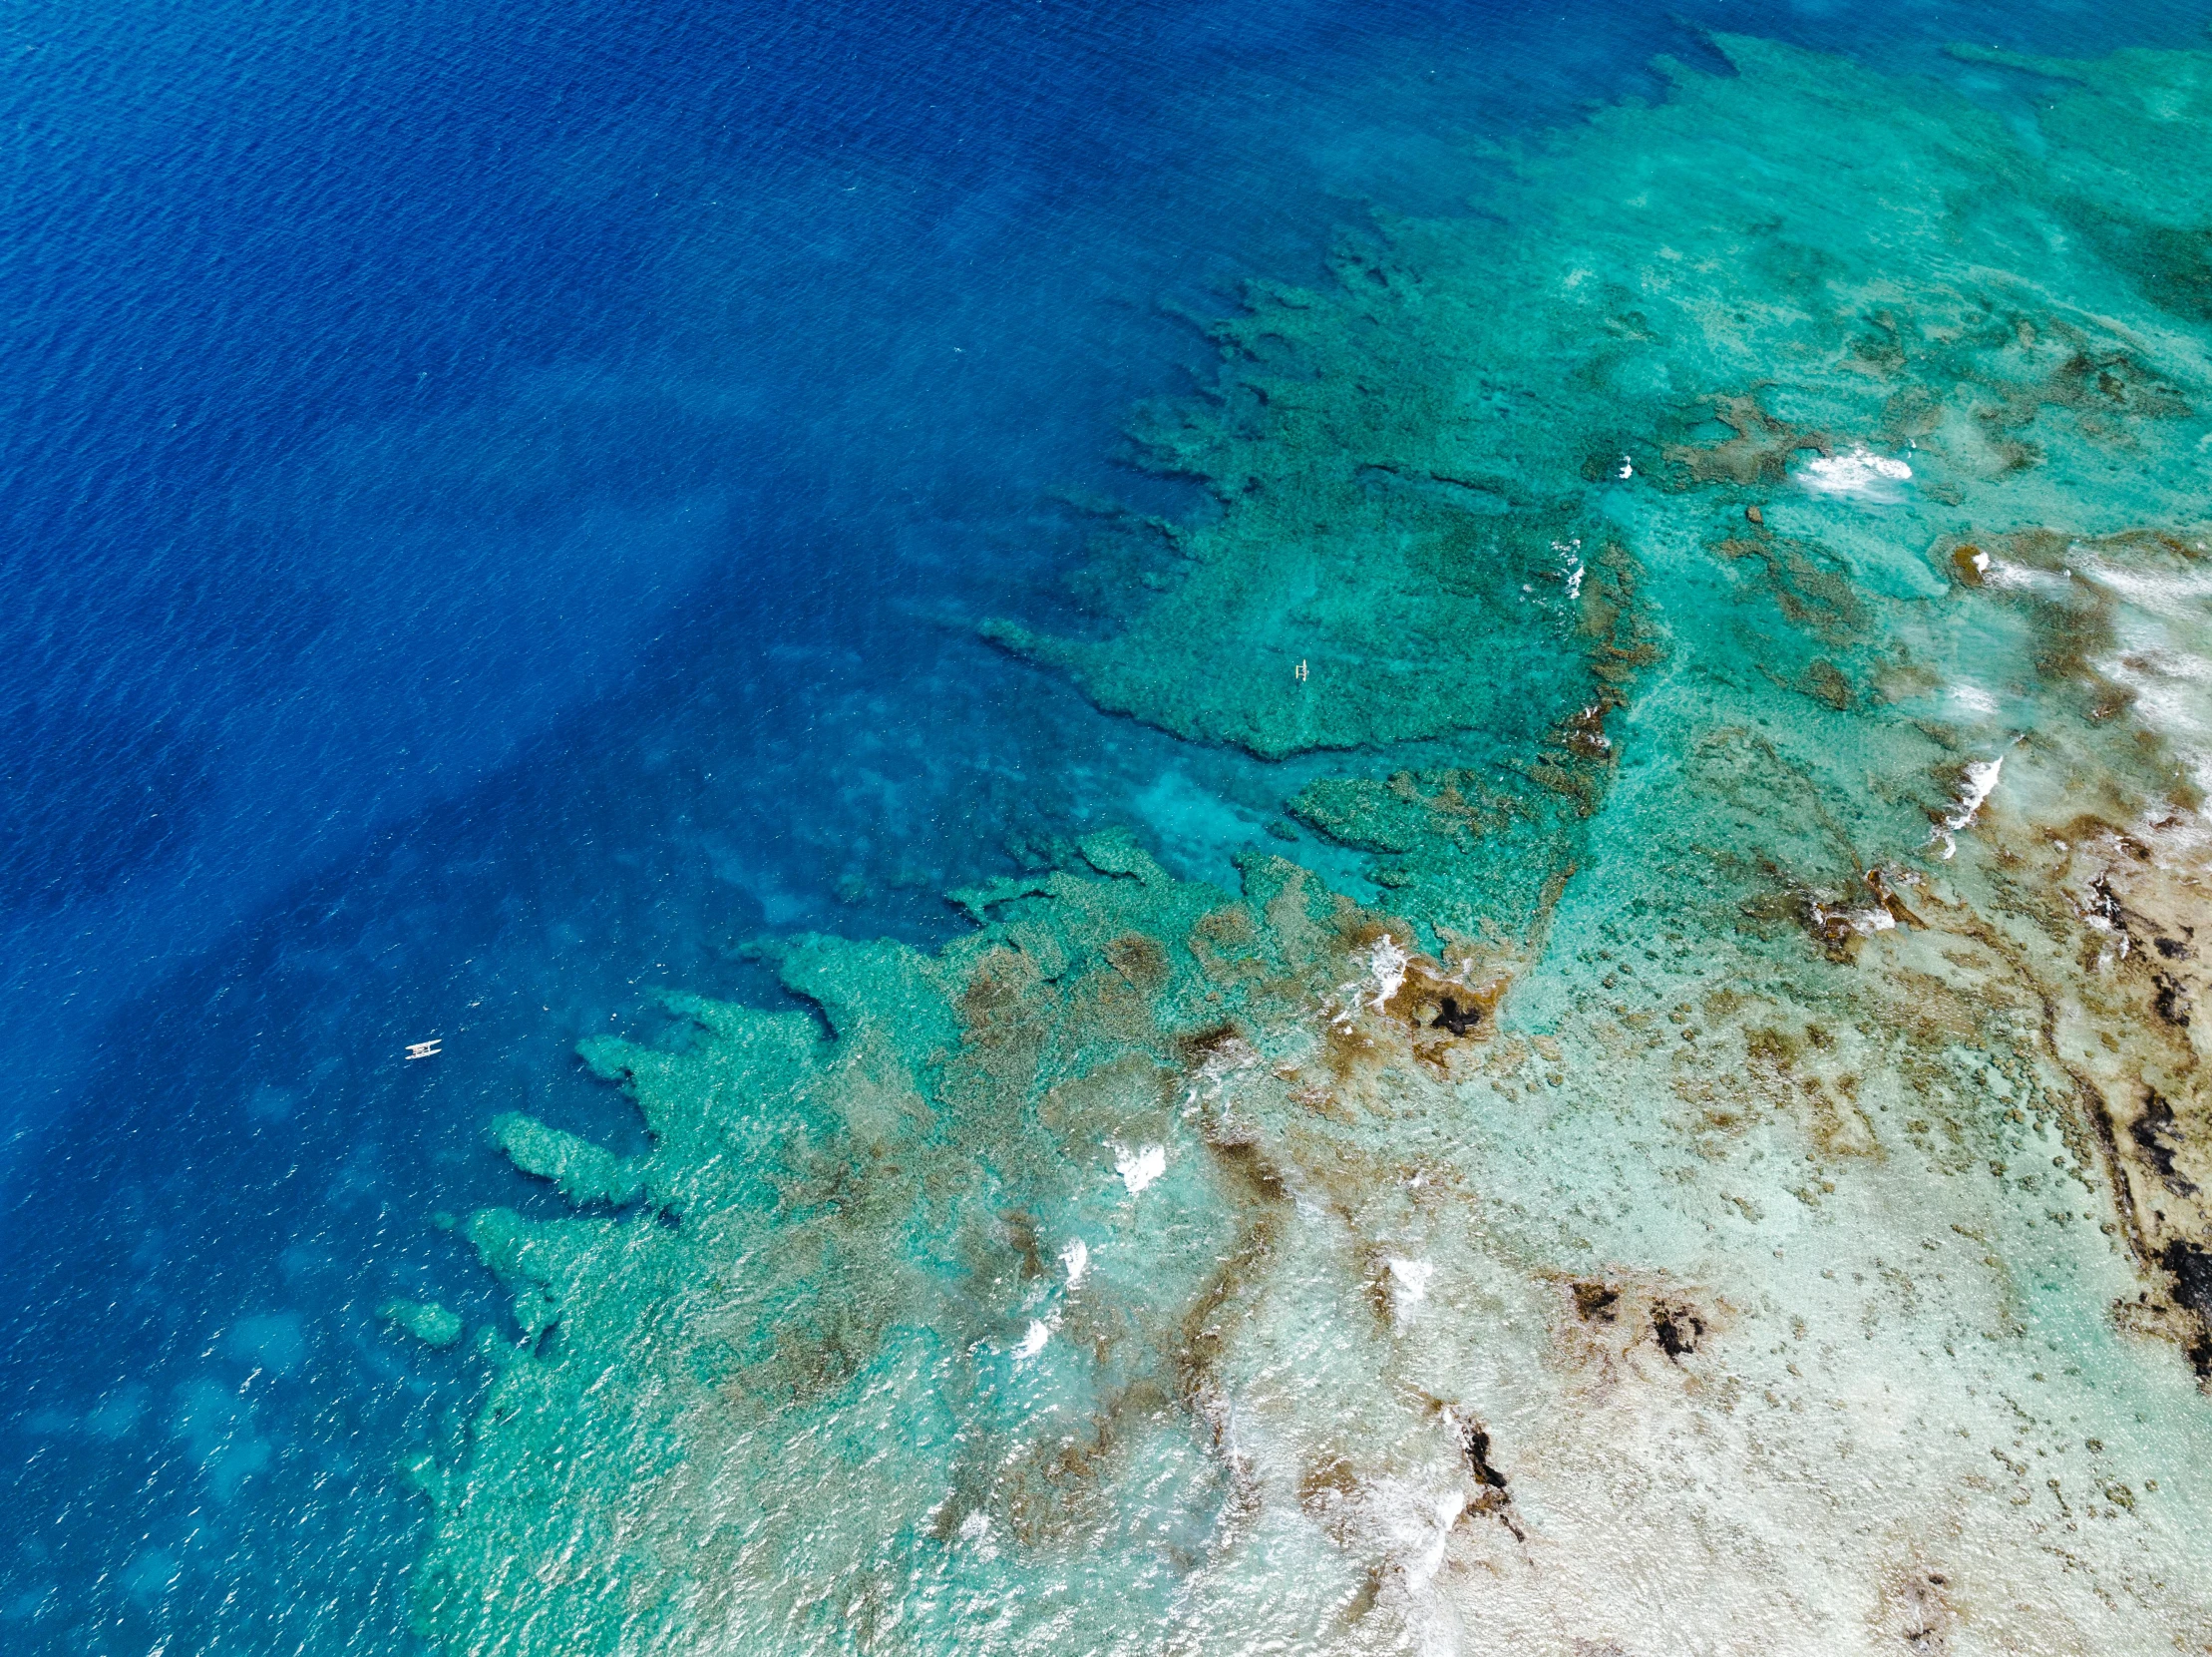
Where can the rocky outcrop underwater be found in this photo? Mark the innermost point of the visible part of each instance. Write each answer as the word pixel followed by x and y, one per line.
pixel 1742 1189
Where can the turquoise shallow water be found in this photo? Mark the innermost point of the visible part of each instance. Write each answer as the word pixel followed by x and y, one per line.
pixel 1567 1020
pixel 1728 1177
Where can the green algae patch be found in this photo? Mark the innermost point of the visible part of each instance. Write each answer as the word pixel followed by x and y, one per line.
pixel 427 1321
pixel 1758 1145
pixel 579 1170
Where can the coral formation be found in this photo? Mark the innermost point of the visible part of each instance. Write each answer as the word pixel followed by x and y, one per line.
pixel 581 1171
pixel 1744 1186
pixel 427 1321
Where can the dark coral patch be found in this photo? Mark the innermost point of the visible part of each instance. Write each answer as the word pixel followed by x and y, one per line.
pixel 1678 1329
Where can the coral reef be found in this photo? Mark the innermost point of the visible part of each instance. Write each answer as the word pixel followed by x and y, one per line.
pixel 427 1321
pixel 579 1170
pixel 1744 1186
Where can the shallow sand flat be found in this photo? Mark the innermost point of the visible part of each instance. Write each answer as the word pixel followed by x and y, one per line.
pixel 1742 1190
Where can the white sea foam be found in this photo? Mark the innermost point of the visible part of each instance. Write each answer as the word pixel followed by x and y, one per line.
pixel 1864 922
pixel 1141 1166
pixel 1569 559
pixel 1387 961
pixel 1975 783
pixel 2022 577
pixel 1975 787
pixel 2162 659
pixel 1859 474
pixel 2175 597
pixel 1033 1339
pixel 1410 1280
pixel 1076 1255
pixel 975 1531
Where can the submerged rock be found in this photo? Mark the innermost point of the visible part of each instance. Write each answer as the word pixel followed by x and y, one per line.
pixel 427 1321
pixel 579 1170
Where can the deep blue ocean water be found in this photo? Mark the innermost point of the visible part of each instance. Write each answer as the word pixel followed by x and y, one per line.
pixel 496 499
